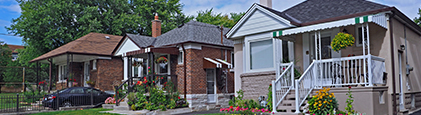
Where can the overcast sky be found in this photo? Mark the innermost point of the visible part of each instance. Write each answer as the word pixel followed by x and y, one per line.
pixel 9 9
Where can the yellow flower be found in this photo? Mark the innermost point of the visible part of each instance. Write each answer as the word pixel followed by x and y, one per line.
pixel 320 104
pixel 320 101
pixel 330 96
pixel 318 108
pixel 330 100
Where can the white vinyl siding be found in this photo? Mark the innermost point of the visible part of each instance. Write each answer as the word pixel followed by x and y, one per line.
pixel 259 22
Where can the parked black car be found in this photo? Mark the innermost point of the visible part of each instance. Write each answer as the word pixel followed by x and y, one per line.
pixel 75 96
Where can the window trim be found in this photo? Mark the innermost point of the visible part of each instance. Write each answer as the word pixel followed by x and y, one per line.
pixel 94 62
pixel 61 75
pixel 247 56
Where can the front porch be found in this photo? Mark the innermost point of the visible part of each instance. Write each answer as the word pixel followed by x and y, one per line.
pixel 364 68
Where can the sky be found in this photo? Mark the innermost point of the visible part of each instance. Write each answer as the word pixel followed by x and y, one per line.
pixel 9 10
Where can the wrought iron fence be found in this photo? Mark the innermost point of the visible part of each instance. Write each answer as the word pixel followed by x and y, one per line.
pixel 21 103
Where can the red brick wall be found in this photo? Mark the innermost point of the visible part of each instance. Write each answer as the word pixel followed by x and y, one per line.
pixel 196 75
pixel 108 71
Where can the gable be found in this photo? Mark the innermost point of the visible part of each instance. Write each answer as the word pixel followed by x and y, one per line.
pixel 258 20
pixel 127 46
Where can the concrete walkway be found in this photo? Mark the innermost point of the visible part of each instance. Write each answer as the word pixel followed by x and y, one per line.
pixel 124 112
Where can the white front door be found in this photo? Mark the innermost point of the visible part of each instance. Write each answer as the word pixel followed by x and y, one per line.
pixel 211 87
pixel 86 74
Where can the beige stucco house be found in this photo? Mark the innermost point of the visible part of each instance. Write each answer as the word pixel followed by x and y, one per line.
pixel 384 59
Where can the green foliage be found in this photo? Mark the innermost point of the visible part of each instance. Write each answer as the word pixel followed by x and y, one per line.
pixel 208 16
pixel 33 95
pixel 131 98
pixel 341 41
pixel 269 100
pixel 323 102
pixel 5 54
pixel 349 109
pixel 417 20
pixel 48 24
pixel 243 103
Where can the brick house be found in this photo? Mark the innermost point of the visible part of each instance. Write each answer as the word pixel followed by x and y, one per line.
pixel 381 63
pixel 14 48
pixel 88 58
pixel 198 55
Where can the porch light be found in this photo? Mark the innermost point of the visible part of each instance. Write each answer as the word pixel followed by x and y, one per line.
pixel 402 47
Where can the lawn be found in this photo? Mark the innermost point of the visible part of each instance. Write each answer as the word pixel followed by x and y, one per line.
pixel 8 100
pixel 95 111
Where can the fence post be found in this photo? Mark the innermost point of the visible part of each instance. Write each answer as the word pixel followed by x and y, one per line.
pixel 92 98
pixel 17 102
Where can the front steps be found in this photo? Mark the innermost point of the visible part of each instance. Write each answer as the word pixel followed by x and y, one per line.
pixel 287 106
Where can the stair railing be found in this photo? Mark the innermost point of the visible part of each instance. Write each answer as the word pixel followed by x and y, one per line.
pixel 305 85
pixel 283 84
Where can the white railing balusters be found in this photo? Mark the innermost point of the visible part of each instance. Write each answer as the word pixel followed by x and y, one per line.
pixel 283 83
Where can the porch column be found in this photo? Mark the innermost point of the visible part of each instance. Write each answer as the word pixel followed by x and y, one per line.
pixel 125 67
pixel 370 72
pixel 49 73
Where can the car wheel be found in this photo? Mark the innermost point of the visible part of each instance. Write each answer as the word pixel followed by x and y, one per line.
pixel 67 104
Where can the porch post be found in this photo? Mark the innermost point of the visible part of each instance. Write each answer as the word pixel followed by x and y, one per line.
pixel 67 71
pixel 274 97
pixel 365 60
pixel 297 96
pixel 292 74
pixel 370 72
pixel 49 74
pixel 320 58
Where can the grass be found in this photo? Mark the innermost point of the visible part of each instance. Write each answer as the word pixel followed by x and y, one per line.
pixel 9 94
pixel 95 111
pixel 8 100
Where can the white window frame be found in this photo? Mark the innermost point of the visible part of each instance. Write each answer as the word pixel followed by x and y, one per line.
pixel 180 54
pixel 357 36
pixel 94 64
pixel 61 73
pixel 168 65
pixel 247 56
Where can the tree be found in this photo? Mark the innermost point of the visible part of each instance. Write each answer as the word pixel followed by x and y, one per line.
pixel 417 20
pixel 49 24
pixel 208 16
pixel 5 58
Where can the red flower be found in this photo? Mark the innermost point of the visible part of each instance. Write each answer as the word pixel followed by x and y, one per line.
pixel 138 82
pixel 153 81
pixel 283 68
pixel 178 97
pixel 270 84
pixel 74 79
pixel 349 87
pixel 162 77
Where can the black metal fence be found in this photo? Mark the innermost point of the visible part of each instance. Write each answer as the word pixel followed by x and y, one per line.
pixel 21 103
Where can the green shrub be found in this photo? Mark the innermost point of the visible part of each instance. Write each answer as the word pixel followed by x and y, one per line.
pixel 323 103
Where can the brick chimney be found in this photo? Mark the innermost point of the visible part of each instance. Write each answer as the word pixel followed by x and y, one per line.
pixel 267 3
pixel 156 26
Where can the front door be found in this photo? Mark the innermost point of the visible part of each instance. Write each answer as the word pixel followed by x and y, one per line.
pixel 211 90
pixel 86 74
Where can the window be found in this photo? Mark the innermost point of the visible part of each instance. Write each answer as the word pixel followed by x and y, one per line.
pixel 62 70
pixel 77 90
pixel 94 64
pixel 359 39
pixel 261 54
pixel 285 56
pixel 14 56
pixel 232 59
pixel 180 57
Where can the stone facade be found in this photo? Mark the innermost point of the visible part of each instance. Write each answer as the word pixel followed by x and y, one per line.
pixel 199 102
pixel 256 84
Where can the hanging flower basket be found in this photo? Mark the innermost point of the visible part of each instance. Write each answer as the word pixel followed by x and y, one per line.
pixel 341 41
pixel 161 60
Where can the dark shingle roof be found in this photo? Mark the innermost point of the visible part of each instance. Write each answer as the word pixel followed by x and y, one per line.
pixel 192 31
pixel 313 10
pixel 141 41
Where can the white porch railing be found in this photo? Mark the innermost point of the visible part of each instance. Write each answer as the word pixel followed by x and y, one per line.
pixel 338 72
pixel 283 84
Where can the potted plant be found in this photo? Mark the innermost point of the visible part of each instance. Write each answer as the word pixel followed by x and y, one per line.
pixel 162 61
pixel 341 41
pixel 90 83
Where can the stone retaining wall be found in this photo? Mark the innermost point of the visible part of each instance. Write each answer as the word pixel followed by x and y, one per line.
pixel 256 84
pixel 199 102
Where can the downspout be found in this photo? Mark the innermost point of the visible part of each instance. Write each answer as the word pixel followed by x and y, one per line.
pixel 185 72
pixel 392 53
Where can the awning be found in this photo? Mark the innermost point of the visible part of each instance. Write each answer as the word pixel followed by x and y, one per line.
pixel 165 50
pixel 379 19
pixel 215 63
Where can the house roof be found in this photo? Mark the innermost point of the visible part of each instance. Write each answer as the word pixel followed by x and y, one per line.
pixel 14 47
pixel 313 10
pixel 141 41
pixel 90 44
pixel 192 31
